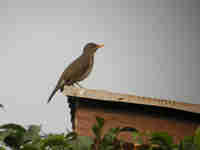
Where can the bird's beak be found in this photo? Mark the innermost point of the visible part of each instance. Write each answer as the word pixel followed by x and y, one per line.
pixel 100 45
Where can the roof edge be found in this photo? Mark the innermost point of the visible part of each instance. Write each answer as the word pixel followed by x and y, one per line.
pixel 127 98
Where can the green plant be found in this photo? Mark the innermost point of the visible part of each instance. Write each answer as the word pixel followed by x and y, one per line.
pixel 109 140
pixel 12 135
pixel 16 137
pixel 163 141
pixel 191 142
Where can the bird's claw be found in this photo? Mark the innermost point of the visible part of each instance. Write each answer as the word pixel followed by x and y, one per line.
pixel 79 85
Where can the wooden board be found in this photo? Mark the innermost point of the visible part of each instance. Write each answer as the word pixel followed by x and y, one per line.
pixel 103 95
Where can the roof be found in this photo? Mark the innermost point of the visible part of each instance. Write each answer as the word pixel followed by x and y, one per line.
pixel 103 95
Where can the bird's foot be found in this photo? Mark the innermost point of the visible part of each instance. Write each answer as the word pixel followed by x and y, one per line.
pixel 61 89
pixel 79 85
pixel 82 89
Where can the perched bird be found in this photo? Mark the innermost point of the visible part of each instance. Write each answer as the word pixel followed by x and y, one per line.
pixel 79 69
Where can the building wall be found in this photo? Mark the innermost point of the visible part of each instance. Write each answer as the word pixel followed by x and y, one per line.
pixel 140 117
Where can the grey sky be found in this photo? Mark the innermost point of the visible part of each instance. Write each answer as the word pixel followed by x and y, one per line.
pixel 151 49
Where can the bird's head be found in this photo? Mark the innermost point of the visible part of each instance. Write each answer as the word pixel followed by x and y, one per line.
pixel 91 48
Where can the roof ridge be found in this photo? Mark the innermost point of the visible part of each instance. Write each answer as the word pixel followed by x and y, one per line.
pixel 128 98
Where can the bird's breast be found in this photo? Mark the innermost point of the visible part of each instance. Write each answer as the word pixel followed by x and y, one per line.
pixel 89 69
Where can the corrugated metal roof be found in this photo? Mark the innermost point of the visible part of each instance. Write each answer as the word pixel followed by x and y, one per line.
pixel 127 98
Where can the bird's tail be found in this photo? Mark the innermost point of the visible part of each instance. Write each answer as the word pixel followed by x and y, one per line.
pixel 52 94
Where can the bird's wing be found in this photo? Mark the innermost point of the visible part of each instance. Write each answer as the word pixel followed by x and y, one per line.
pixel 75 70
pixel 72 74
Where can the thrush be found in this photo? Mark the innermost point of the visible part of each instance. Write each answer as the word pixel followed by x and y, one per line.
pixel 78 70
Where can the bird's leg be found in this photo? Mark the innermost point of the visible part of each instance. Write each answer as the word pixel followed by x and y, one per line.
pixel 78 85
pixel 82 89
pixel 61 89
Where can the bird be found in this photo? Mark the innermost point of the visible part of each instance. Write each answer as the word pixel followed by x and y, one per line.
pixel 78 70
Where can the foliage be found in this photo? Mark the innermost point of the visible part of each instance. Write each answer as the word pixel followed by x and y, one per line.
pixel 109 140
pixel 17 137
pixel 163 141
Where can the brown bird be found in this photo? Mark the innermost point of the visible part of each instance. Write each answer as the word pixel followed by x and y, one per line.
pixel 78 70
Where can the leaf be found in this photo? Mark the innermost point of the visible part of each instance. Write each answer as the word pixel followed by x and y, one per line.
pixel 128 129
pixel 100 122
pixel 30 147
pixel 140 140
pixel 13 127
pixel 110 141
pixel 4 134
pixel 54 140
pixel 2 148
pixel 114 131
pixel 107 147
pixel 97 128
pixel 32 134
pixel 14 140
pixel 188 143
pixel 97 131
pixel 197 138
pixel 15 135
pixel 111 135
pixel 163 136
pixel 162 139
pixel 82 143
pixel 135 135
pixel 35 129
pixel 71 136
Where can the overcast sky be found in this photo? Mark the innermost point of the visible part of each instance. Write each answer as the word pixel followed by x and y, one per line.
pixel 152 48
